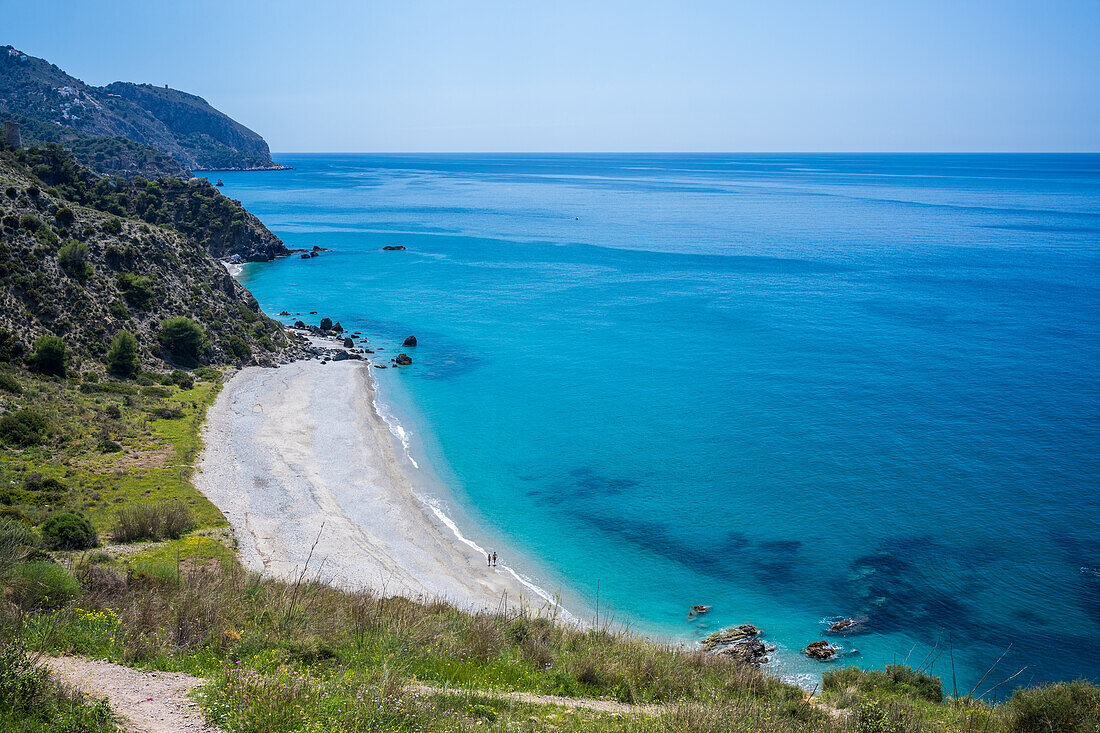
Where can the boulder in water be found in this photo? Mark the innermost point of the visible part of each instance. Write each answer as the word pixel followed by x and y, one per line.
pixel 747 651
pixel 391 248
pixel 822 651
pixel 403 359
pixel 729 636
pixel 410 341
pixel 348 343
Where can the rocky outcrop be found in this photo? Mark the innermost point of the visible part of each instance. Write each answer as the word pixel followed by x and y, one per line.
pixel 348 343
pixel 728 636
pixel 410 341
pixel 822 651
pixel 747 651
pixel 403 360
pixel 392 248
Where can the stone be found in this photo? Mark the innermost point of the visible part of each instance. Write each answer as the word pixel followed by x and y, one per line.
pixel 391 248
pixel 300 324
pixel 379 366
pixel 348 343
pixel 340 356
pixel 410 341
pixel 728 636
pixel 326 324
pixel 822 651
pixel 747 651
pixel 337 327
pixel 311 254
pixel 304 257
pixel 697 610
pixel 403 359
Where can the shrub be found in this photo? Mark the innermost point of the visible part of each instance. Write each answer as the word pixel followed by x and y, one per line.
pixel 113 411
pixel 109 446
pixel 49 355
pixel 122 358
pixel 29 222
pixel 154 390
pixel 41 585
pixel 8 383
pixel 68 531
pixel 10 221
pixel 65 216
pixel 897 679
pixel 182 338
pixel 16 540
pixel 238 348
pixel 119 310
pixel 210 374
pixel 24 428
pixel 182 379
pixel 112 225
pixel 164 520
pixel 1064 707
pixel 10 347
pixel 73 259
pixel 137 289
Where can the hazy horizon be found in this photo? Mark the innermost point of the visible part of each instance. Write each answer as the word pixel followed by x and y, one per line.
pixel 698 76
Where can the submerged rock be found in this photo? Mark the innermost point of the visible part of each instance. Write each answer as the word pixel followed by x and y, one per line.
pixel 410 341
pixel 391 248
pixel 822 651
pixel 697 610
pixel 729 636
pixel 403 360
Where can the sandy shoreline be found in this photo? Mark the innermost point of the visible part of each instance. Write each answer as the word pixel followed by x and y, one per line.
pixel 298 454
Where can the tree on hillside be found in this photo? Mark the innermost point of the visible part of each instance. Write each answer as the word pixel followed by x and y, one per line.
pixel 182 338
pixel 123 359
pixel 50 355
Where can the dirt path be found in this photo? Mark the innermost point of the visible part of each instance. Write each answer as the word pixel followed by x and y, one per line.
pixel 151 702
pixel 530 698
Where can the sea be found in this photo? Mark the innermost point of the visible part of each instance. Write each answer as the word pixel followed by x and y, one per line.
pixel 794 388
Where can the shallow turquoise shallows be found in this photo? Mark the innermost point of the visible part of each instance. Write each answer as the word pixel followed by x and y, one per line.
pixel 792 387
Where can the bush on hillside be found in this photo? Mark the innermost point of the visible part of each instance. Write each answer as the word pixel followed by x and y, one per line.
pixel 10 347
pixel 73 258
pixel 181 379
pixel 8 383
pixel 65 216
pixel 112 225
pixel 1064 707
pixel 897 679
pixel 68 531
pixel 137 289
pixel 24 428
pixel 122 358
pixel 182 338
pixel 165 520
pixel 17 540
pixel 40 585
pixel 50 356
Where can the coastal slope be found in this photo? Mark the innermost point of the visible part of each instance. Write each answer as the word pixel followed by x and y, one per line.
pixel 305 470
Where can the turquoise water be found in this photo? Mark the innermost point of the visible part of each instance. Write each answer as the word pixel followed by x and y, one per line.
pixel 792 387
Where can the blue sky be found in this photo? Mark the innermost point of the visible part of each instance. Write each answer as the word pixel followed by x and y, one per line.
pixel 692 75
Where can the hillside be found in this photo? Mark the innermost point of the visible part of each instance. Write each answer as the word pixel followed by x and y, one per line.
pixel 73 264
pixel 53 106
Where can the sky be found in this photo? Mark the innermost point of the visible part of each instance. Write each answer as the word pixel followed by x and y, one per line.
pixel 603 75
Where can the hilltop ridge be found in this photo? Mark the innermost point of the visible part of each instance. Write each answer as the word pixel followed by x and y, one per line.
pixel 184 129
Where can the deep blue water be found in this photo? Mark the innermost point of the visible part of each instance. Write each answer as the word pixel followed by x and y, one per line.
pixel 793 387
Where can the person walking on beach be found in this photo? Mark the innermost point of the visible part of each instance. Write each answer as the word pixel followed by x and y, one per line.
pixel 494 559
pixel 489 559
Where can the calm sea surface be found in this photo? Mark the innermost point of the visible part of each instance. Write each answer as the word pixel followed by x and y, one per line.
pixel 792 387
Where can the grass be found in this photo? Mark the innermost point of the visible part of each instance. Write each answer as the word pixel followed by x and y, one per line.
pixel 306 657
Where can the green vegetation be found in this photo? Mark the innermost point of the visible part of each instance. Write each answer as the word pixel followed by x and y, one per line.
pixel 68 531
pixel 31 702
pixel 182 338
pixel 73 258
pixel 123 359
pixel 24 428
pixel 1065 707
pixel 163 520
pixel 50 356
